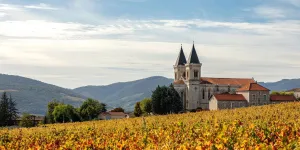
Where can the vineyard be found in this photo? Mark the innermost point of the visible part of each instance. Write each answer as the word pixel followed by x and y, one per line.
pixel 262 127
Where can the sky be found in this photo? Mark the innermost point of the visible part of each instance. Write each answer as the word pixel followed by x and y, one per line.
pixel 73 43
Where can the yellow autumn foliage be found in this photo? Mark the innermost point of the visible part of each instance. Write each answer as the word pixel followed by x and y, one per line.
pixel 263 127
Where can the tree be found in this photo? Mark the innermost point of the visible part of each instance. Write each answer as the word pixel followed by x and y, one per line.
pixel 90 109
pixel 8 110
pixel 146 105
pixel 12 110
pixel 51 107
pixel 137 110
pixel 103 107
pixel 119 109
pixel 282 93
pixel 175 100
pixel 27 120
pixel 166 100
pixel 65 113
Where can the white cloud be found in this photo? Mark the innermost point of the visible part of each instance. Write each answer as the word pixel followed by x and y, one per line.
pixel 41 6
pixel 270 12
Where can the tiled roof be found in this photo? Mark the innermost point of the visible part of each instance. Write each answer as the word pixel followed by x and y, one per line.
pixel 179 82
pixel 229 97
pixel 226 81
pixel 193 59
pixel 294 90
pixel 283 98
pixel 252 87
pixel 181 58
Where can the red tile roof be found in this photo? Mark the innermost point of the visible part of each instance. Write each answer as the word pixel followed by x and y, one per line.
pixel 252 87
pixel 226 81
pixel 179 82
pixel 229 97
pixel 283 98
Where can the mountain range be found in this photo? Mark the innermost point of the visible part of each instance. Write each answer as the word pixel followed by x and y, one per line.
pixel 32 96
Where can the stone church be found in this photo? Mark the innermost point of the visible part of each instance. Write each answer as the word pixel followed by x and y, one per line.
pixel 218 93
pixel 195 90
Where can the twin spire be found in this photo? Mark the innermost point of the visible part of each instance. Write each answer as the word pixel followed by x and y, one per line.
pixel 193 58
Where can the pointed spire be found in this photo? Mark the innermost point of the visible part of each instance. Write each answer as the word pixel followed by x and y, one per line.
pixel 193 59
pixel 181 60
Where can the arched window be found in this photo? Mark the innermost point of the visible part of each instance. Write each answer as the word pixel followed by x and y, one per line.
pixel 209 93
pixel 183 75
pixel 203 93
pixel 195 74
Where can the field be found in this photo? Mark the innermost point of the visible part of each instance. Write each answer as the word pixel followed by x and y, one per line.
pixel 263 127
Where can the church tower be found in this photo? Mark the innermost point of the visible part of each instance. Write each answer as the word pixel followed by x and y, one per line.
pixel 193 75
pixel 179 67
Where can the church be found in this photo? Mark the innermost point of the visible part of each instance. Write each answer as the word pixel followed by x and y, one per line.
pixel 210 93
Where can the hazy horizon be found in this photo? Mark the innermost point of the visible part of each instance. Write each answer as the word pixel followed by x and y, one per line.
pixel 91 42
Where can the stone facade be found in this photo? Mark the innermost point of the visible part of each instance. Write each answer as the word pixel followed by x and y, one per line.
pixel 195 90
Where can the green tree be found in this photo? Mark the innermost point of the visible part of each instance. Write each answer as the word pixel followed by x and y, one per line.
pixel 119 109
pixel 166 100
pixel 4 110
pixel 104 107
pixel 12 110
pixel 90 109
pixel 27 120
pixel 282 93
pixel 146 105
pixel 51 107
pixel 137 110
pixel 65 113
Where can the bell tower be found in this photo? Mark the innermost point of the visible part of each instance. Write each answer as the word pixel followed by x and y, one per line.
pixel 193 75
pixel 179 67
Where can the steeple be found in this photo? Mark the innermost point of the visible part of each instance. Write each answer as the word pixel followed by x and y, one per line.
pixel 181 60
pixel 193 59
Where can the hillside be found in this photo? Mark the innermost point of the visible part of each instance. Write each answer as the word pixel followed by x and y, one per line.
pixel 124 94
pixel 32 96
pixel 282 85
pixel 261 127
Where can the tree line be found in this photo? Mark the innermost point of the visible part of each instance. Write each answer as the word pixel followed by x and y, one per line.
pixel 59 112
pixel 164 100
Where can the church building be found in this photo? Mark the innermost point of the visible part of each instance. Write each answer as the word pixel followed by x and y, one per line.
pixel 211 93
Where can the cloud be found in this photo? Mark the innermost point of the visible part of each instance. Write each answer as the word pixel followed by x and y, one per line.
pixel 41 6
pixel 269 12
pixel 292 2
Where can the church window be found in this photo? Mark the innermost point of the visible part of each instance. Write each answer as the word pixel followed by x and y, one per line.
pixel 253 97
pixel 203 94
pixel 265 97
pixel 183 75
pixel 195 74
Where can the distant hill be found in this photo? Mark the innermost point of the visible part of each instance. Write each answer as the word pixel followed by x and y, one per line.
pixel 32 96
pixel 124 94
pixel 282 85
